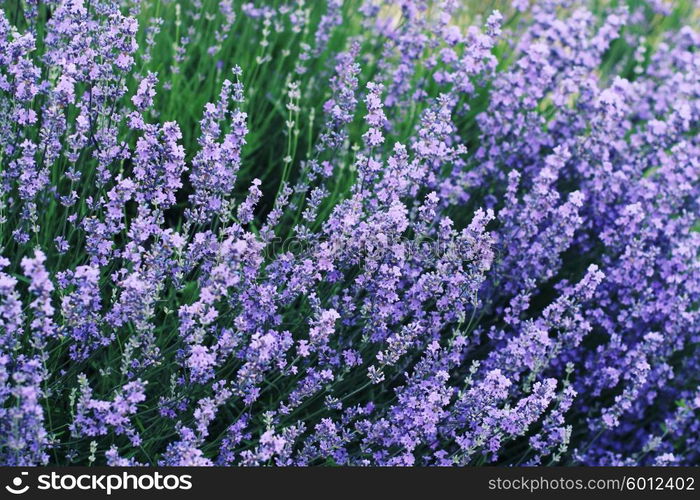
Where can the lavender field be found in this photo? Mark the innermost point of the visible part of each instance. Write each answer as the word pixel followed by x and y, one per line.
pixel 349 232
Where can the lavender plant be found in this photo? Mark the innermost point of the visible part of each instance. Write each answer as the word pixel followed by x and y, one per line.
pixel 361 232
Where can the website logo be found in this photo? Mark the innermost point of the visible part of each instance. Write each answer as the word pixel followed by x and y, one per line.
pixel 16 488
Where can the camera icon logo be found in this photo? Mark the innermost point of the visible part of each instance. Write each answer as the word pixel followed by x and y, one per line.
pixel 16 488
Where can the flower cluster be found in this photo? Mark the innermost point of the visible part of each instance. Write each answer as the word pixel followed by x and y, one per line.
pixel 373 232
